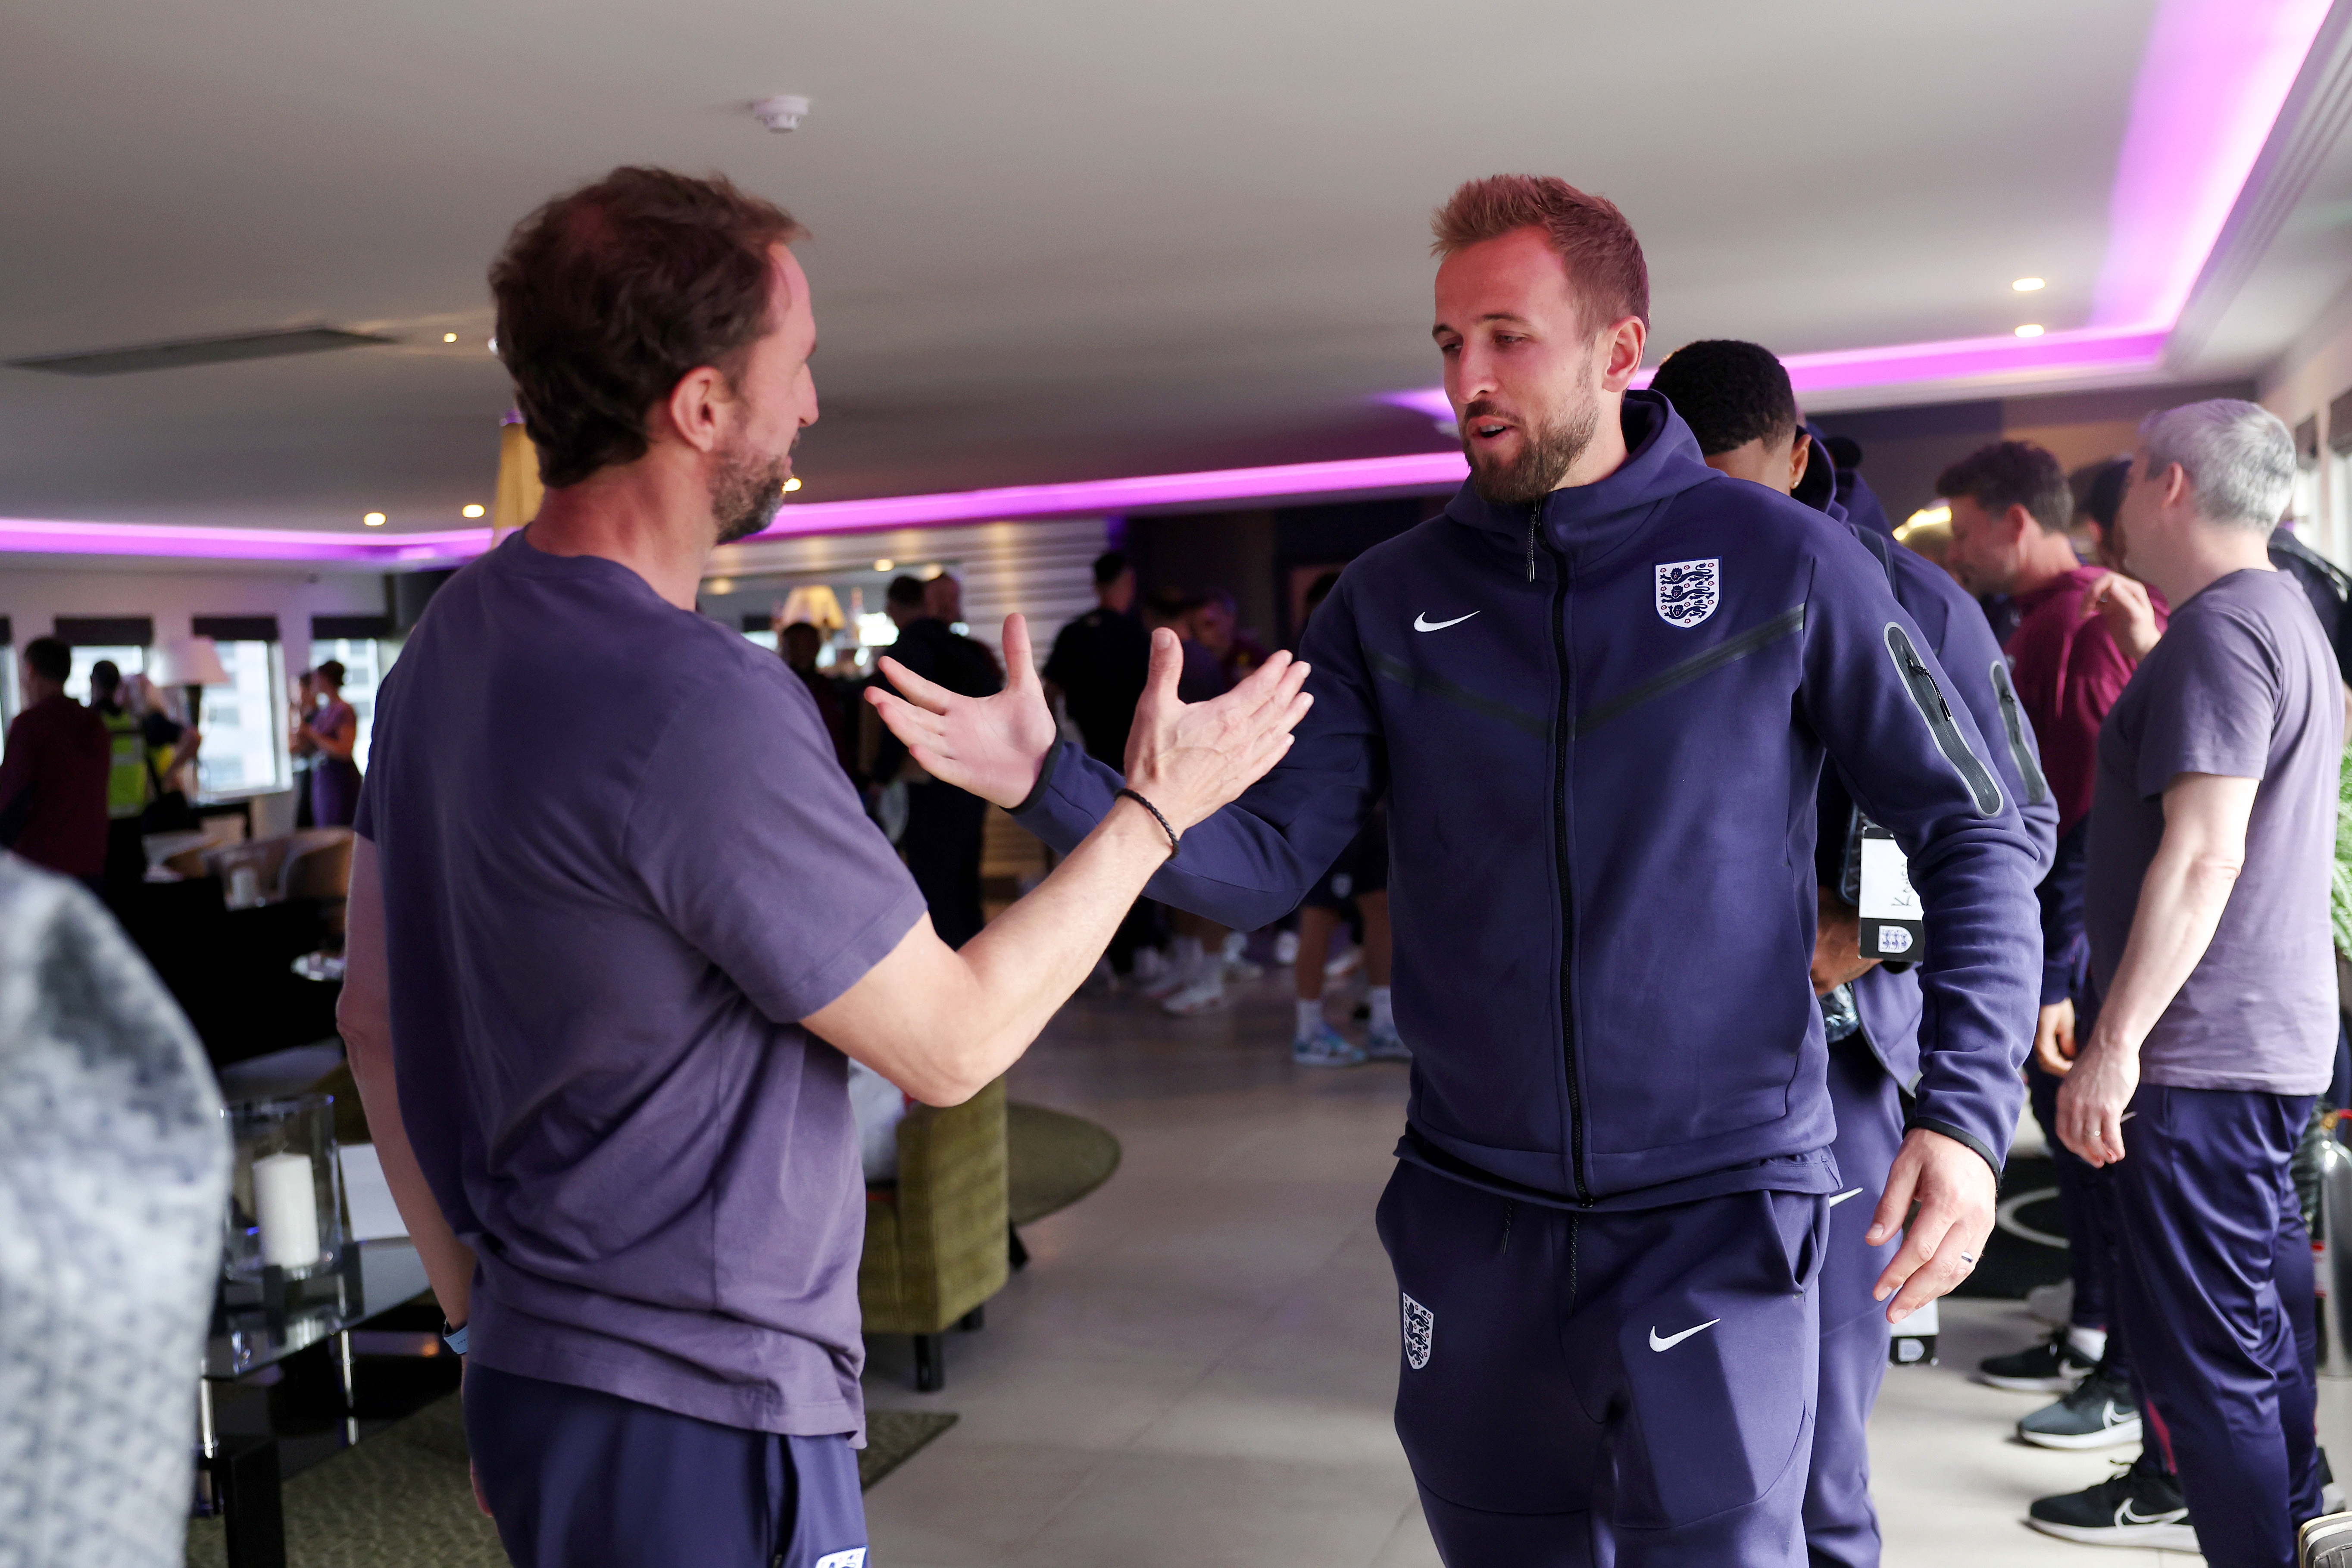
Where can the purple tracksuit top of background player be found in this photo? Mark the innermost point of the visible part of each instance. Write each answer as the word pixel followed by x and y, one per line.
pixel 1602 719
pixel 1977 675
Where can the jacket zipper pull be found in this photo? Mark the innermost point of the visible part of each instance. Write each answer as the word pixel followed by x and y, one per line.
pixel 1535 516
pixel 1510 1212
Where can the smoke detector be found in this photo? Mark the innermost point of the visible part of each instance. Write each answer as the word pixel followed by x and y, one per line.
pixel 781 114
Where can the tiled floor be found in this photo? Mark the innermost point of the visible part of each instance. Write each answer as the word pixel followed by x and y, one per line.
pixel 1197 1367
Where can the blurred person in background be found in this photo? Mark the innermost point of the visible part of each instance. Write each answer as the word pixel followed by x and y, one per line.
pixel 2011 510
pixel 300 745
pixel 53 778
pixel 1356 885
pixel 1199 959
pixel 1738 400
pixel 2209 1022
pixel 2095 512
pixel 798 646
pixel 1096 669
pixel 946 828
pixel 333 732
pixel 1095 675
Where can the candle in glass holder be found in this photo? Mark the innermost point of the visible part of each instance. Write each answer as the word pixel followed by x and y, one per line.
pixel 286 1201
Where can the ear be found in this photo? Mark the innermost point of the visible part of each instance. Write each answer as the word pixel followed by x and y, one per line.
pixel 2176 485
pixel 1621 352
pixel 1800 457
pixel 692 413
pixel 2017 520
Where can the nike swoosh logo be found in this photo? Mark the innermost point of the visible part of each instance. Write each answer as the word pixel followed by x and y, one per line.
pixel 1671 1340
pixel 1422 622
pixel 1849 1193
pixel 2127 1514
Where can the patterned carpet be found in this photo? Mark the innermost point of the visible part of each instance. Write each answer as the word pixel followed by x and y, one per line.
pixel 402 1499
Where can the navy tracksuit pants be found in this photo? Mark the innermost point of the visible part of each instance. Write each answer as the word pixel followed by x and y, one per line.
pixel 581 1478
pixel 1581 1388
pixel 2215 1294
pixel 1841 1526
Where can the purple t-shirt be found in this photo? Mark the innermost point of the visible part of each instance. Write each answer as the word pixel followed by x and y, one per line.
pixel 2241 684
pixel 619 860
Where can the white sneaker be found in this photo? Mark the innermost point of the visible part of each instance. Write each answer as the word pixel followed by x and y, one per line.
pixel 1386 1047
pixel 1172 977
pixel 1201 997
pixel 1286 948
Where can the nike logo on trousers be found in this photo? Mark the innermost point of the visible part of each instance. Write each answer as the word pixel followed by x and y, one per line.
pixel 1849 1193
pixel 1671 1340
pixel 1422 622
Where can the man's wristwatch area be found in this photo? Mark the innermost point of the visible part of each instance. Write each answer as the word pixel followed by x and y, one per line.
pixel 454 1338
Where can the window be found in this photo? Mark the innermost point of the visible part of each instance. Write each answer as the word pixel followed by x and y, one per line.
pixel 243 728
pixel 365 662
pixel 130 660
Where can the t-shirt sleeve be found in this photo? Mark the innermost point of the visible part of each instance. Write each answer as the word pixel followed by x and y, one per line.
pixel 2211 709
pixel 750 842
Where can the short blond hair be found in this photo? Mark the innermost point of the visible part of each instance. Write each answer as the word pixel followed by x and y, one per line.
pixel 1595 244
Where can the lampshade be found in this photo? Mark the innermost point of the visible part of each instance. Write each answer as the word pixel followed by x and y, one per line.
pixel 516 500
pixel 815 604
pixel 188 661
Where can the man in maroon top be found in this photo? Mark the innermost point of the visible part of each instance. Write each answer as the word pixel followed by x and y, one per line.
pixel 53 778
pixel 2010 507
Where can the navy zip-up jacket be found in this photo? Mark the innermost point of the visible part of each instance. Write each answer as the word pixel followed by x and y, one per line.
pixel 1888 998
pixel 1601 720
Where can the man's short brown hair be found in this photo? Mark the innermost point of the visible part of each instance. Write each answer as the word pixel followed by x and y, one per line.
pixel 1595 244
pixel 608 294
pixel 2012 473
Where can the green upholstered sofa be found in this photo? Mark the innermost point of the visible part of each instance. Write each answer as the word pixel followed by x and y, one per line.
pixel 936 1244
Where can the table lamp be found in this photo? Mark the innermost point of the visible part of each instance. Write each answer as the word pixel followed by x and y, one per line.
pixel 192 662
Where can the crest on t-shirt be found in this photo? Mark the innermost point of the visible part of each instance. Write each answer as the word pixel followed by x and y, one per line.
pixel 1688 591
pixel 1420 1329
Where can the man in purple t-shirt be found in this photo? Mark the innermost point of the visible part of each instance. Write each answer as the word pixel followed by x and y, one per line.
pixel 2213 1006
pixel 607 954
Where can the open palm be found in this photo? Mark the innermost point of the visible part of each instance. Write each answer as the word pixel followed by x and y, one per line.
pixel 992 746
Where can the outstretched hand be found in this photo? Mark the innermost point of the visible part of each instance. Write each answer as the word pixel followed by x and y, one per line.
pixel 991 746
pixel 1189 759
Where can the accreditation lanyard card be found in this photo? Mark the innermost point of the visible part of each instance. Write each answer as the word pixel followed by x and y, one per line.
pixel 1891 926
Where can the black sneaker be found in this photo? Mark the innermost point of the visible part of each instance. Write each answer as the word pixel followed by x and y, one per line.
pixel 2053 1367
pixel 2141 1506
pixel 2097 1414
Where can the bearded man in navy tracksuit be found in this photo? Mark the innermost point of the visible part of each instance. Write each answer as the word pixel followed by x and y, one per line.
pixel 1738 401
pixel 1598 690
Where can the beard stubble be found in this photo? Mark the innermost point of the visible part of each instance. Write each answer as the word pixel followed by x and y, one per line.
pixel 1550 450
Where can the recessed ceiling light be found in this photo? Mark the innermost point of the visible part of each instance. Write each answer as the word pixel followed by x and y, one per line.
pixel 719 586
pixel 373 520
pixel 448 337
pixel 2027 285
pixel 884 565
pixel 474 510
pixel 2029 330
pixel 792 484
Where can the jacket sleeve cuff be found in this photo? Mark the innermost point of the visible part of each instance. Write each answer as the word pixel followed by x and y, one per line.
pixel 1044 780
pixel 1958 1135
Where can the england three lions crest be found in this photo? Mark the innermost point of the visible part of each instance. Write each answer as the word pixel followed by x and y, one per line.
pixel 1420 1329
pixel 1688 591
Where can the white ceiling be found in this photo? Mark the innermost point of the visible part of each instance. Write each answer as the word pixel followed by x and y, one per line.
pixel 1053 240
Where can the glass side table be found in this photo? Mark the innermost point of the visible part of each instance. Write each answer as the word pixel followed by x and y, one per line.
pixel 261 1322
